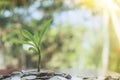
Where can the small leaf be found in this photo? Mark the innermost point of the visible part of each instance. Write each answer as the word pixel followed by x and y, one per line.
pixel 36 39
pixel 21 42
pixel 27 42
pixel 27 34
pixel 44 28
pixel 32 49
pixel 15 41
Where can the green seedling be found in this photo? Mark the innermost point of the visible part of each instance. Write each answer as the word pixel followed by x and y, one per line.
pixel 34 40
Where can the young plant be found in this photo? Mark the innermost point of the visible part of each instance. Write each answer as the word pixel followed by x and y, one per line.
pixel 34 40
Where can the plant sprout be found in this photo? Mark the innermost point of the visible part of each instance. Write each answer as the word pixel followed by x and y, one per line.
pixel 34 40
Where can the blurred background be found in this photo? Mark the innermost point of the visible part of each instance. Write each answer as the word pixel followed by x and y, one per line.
pixel 83 34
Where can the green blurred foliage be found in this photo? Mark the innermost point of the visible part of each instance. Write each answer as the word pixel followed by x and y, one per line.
pixel 65 46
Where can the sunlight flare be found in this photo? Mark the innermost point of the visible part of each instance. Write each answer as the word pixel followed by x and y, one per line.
pixel 113 8
pixel 109 10
pixel 105 53
pixel 116 24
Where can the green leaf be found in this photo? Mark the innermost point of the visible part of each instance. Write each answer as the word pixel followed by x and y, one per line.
pixel 44 28
pixel 27 34
pixel 20 42
pixel 16 41
pixel 36 39
pixel 27 42
pixel 32 49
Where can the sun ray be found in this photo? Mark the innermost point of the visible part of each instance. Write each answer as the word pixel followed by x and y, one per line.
pixel 109 9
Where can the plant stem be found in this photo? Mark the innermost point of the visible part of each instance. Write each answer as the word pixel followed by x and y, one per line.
pixel 39 59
